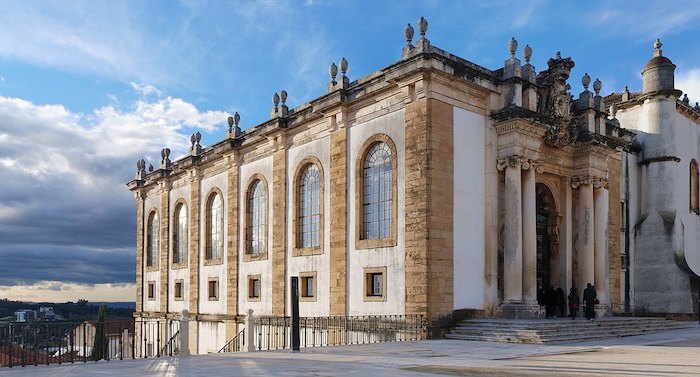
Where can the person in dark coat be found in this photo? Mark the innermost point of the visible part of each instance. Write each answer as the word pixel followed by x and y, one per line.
pixel 589 299
pixel 562 302
pixel 551 302
pixel 573 303
pixel 540 296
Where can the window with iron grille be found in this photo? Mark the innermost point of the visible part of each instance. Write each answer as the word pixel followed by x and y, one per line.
pixel 309 207
pixel 152 240
pixel 376 192
pixel 257 216
pixel 215 228
pixel 180 234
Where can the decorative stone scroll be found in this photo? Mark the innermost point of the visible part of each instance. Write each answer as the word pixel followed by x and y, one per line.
pixel 597 182
pixel 524 162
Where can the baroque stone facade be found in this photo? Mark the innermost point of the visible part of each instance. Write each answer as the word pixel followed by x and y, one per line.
pixel 433 186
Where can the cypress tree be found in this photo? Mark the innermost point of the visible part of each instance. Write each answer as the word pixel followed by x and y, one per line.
pixel 100 345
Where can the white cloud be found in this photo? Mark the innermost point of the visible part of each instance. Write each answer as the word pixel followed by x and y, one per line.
pixel 56 291
pixel 146 90
pixel 689 82
pixel 63 201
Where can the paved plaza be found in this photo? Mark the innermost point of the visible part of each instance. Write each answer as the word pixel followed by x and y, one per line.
pixel 669 353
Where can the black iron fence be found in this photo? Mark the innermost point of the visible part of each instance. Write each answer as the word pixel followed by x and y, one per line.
pixel 23 344
pixel 275 332
pixel 236 344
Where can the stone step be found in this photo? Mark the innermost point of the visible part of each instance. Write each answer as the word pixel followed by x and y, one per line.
pixel 561 330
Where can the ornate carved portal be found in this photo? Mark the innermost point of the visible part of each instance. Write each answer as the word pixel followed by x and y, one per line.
pixel 547 236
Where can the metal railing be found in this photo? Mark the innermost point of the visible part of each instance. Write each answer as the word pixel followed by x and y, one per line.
pixel 23 344
pixel 236 344
pixel 275 332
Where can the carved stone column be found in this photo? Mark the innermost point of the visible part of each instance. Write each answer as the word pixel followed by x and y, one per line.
pixel 585 230
pixel 600 199
pixel 529 200
pixel 513 232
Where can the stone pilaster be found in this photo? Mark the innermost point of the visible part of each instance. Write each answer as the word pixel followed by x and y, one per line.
pixel 440 208
pixel 429 200
pixel 232 245
pixel 586 228
pixel 416 186
pixel 338 216
pixel 195 193
pixel 164 244
pixel 139 250
pixel 279 229
pixel 513 234
pixel 614 244
pixel 529 202
pixel 601 275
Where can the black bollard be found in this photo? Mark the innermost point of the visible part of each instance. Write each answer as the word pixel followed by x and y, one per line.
pixel 295 313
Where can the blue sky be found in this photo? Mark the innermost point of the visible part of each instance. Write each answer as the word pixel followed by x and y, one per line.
pixel 88 88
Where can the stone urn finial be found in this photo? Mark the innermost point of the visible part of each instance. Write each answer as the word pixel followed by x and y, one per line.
pixel 613 110
pixel 512 47
pixel 586 80
pixel 283 97
pixel 343 66
pixel 236 118
pixel 333 71
pixel 276 100
pixel 408 34
pixel 527 53
pixel 597 86
pixel 422 27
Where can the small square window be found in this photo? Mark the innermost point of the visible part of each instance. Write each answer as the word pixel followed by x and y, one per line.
pixel 254 288
pixel 178 290
pixel 213 289
pixel 375 284
pixel 151 290
pixel 307 286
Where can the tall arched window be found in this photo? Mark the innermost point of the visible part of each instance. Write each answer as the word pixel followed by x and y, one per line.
pixel 694 198
pixel 215 227
pixel 180 234
pixel 152 239
pixel 376 192
pixel 257 216
pixel 309 207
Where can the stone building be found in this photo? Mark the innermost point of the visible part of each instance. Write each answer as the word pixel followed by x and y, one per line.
pixel 433 186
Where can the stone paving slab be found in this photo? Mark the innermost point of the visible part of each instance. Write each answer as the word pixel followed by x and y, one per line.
pixel 669 353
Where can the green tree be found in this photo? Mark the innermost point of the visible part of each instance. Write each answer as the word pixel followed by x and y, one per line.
pixel 100 346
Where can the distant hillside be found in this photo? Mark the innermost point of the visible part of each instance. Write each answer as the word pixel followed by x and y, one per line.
pixel 72 311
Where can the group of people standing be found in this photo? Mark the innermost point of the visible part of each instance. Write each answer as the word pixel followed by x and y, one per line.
pixel 554 302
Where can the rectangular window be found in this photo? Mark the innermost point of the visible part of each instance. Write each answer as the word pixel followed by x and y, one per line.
pixel 254 288
pixel 307 286
pixel 375 284
pixel 151 290
pixel 213 289
pixel 178 290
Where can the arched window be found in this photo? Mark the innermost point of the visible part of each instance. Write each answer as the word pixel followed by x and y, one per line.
pixel 309 207
pixel 376 192
pixel 257 216
pixel 152 239
pixel 180 234
pixel 215 227
pixel 694 199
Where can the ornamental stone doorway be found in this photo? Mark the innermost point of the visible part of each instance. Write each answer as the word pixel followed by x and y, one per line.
pixel 547 237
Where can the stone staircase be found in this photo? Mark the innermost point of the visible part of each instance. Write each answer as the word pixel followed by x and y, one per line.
pixel 540 331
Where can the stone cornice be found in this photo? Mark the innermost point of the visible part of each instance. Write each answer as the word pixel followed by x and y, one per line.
pixel 652 160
